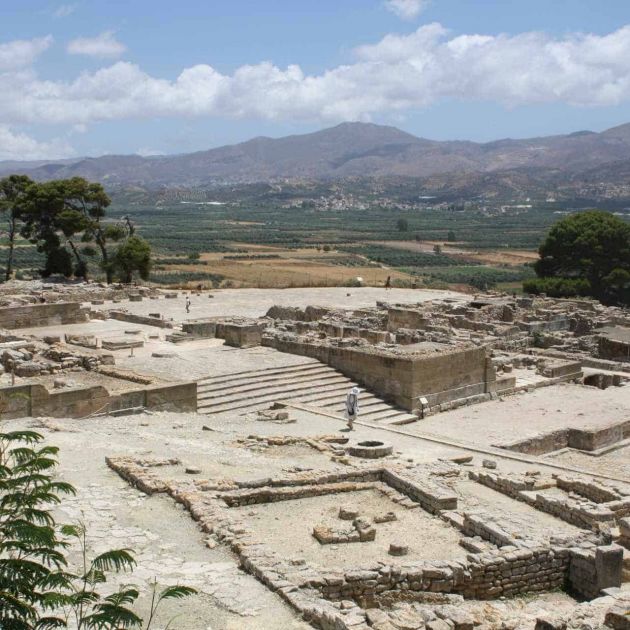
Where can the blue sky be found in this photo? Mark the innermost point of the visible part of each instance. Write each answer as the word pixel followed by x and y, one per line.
pixel 89 77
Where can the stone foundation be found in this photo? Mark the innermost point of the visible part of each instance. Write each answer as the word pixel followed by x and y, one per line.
pixel 585 439
pixel 584 566
pixel 36 401
pixel 38 315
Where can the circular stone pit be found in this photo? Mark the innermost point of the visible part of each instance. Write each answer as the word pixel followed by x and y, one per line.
pixel 370 449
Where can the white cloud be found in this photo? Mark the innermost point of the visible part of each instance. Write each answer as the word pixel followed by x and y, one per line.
pixel 19 146
pixel 22 52
pixel 64 10
pixel 406 9
pixel 398 74
pixel 103 45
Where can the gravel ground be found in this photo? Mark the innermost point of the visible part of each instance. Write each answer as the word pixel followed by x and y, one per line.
pixel 616 463
pixel 287 528
pixel 256 302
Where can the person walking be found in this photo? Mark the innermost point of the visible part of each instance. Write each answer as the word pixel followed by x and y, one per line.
pixel 188 304
pixel 352 407
pixel 388 283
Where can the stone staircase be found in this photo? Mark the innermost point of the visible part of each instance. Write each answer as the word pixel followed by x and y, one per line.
pixel 311 383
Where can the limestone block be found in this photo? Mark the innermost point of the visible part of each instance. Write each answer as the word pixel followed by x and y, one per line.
pixel 609 566
pixel 618 617
pixel 348 513
pixel 398 550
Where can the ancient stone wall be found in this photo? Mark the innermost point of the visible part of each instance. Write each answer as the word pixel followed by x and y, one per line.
pixel 140 319
pixel 448 376
pixel 36 401
pixel 584 439
pixel 614 349
pixel 406 318
pixel 403 378
pixel 35 315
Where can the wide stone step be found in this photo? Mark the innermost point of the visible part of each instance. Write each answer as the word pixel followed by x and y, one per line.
pixel 263 378
pixel 365 406
pixel 365 400
pixel 287 387
pixel 386 415
pixel 287 380
pixel 219 406
pixel 402 418
pixel 312 383
pixel 369 411
pixel 262 373
pixel 329 401
pixel 381 414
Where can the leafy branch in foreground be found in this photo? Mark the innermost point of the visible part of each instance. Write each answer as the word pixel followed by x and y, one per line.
pixel 37 591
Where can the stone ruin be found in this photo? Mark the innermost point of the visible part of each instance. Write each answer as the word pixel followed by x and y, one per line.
pixel 441 354
pixel 502 558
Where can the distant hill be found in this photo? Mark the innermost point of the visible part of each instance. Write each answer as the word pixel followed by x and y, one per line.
pixel 355 149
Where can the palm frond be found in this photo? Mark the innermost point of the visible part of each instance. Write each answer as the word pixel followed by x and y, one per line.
pixel 114 560
pixel 176 592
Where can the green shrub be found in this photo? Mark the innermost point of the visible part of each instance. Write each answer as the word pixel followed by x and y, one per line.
pixel 558 287
pixel 38 589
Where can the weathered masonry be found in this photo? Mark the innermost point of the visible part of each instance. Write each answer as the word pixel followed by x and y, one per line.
pixel 36 315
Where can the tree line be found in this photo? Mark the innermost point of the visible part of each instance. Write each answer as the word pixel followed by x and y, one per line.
pixel 66 221
pixel 585 254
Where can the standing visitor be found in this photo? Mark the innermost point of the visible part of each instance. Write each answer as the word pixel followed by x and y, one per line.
pixel 388 282
pixel 188 304
pixel 352 406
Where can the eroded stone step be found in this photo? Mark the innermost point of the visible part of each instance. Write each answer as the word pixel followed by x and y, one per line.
pixel 392 418
pixel 331 402
pixel 382 411
pixel 248 392
pixel 252 384
pixel 403 418
pixel 264 378
pixel 366 406
pixel 257 401
pixel 263 372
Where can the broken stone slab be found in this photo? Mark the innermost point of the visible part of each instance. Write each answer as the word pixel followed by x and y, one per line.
pixel 461 459
pixel 548 623
pixel 489 463
pixel 386 518
pixel 121 344
pixel 398 550
pixel 618 617
pixel 193 470
pixel 29 368
pixel 348 513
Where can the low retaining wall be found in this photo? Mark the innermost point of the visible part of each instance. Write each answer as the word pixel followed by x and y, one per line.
pixel 140 319
pixel 484 576
pixel 35 400
pixel 37 315
pixel 586 439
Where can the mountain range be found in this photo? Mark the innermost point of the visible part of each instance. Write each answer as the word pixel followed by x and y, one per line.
pixel 355 149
